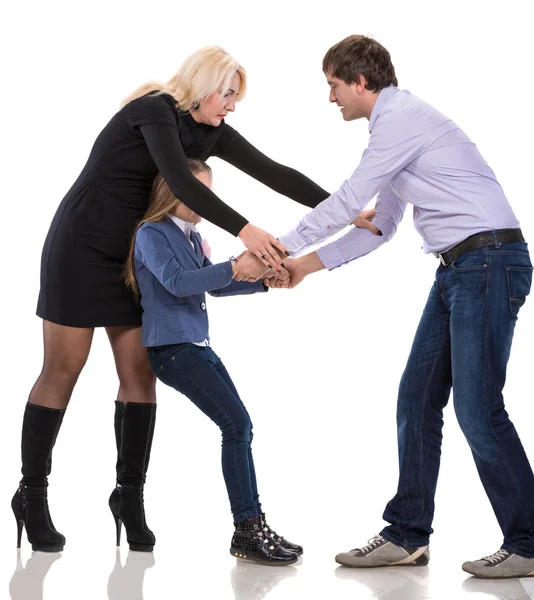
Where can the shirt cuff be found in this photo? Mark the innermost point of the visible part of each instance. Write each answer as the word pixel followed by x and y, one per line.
pixel 380 221
pixel 330 256
pixel 226 271
pixel 294 242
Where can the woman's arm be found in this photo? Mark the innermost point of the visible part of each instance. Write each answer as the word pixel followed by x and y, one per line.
pixel 166 150
pixel 154 118
pixel 236 150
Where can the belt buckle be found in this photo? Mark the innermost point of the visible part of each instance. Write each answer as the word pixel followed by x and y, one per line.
pixel 441 259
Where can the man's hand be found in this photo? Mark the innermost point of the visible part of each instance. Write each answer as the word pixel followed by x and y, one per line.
pixel 297 269
pixel 296 272
pixel 364 221
pixel 248 268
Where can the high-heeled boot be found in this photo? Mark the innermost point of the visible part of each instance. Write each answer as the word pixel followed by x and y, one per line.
pixel 249 542
pixel 134 430
pixel 40 428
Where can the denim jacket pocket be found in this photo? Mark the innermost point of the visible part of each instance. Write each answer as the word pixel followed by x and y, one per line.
pixel 519 284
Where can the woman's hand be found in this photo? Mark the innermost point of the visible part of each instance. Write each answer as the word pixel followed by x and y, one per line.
pixel 263 245
pixel 364 221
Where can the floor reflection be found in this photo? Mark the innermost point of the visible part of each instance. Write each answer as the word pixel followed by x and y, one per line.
pixel 126 582
pixel 391 583
pixel 254 582
pixel 501 589
pixel 27 582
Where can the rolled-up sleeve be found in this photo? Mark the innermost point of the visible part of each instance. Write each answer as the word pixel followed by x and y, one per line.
pixel 396 140
pixel 359 242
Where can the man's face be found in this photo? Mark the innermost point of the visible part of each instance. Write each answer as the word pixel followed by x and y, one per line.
pixel 348 97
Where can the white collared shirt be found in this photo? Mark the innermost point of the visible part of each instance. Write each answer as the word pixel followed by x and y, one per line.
pixel 188 228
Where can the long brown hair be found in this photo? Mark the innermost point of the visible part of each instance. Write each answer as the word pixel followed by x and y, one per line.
pixel 162 202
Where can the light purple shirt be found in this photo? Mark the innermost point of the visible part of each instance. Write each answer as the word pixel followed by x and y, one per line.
pixel 415 155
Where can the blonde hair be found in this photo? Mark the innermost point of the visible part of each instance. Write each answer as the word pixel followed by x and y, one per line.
pixel 162 202
pixel 208 71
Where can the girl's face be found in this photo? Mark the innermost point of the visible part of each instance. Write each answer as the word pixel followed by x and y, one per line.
pixel 214 108
pixel 186 214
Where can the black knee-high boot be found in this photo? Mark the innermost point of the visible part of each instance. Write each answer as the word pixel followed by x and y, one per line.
pixel 134 430
pixel 40 428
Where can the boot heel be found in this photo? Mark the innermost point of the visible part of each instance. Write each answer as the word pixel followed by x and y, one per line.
pixel 20 525
pixel 118 526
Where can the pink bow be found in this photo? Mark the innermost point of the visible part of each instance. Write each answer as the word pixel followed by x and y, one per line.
pixel 206 249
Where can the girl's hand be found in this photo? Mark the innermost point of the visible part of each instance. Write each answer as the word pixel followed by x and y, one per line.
pixel 263 245
pixel 248 268
pixel 276 279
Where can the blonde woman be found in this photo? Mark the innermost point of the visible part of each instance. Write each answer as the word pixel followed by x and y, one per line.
pixel 169 268
pixel 158 128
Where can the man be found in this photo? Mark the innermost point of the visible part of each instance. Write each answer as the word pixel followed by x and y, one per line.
pixel 418 155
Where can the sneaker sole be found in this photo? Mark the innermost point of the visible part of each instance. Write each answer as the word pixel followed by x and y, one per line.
pixel 414 564
pixel 420 561
pixel 480 576
pixel 258 561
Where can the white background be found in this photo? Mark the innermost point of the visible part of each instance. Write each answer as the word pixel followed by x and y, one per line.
pixel 317 367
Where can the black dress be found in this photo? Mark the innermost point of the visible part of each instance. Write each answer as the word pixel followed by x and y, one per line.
pixel 86 247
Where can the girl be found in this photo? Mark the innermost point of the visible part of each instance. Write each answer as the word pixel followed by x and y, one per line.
pixel 168 267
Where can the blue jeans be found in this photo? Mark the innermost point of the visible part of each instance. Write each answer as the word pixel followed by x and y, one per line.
pixel 463 341
pixel 198 373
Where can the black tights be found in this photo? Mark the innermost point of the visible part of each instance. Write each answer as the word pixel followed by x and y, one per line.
pixel 65 353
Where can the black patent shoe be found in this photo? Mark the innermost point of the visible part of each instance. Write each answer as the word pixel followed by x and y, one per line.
pixel 30 507
pixel 280 539
pixel 250 543
pixel 126 504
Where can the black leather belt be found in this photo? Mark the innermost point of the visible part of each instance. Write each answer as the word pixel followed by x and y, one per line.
pixel 480 240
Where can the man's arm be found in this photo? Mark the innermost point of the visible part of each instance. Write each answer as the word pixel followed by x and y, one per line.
pixel 355 244
pixel 397 139
pixel 359 242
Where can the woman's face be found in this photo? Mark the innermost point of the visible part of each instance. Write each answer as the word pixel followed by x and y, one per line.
pixel 186 214
pixel 214 108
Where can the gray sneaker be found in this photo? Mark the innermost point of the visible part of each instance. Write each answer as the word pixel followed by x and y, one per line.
pixel 381 553
pixel 501 565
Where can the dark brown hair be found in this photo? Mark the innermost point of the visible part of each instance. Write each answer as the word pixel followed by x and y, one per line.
pixel 162 202
pixel 359 55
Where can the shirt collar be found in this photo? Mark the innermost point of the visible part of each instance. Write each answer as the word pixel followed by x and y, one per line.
pixel 186 227
pixel 383 96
